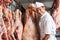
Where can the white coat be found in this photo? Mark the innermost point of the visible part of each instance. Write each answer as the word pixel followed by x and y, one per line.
pixel 47 26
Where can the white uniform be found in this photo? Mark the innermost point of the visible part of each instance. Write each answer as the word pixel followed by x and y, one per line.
pixel 47 26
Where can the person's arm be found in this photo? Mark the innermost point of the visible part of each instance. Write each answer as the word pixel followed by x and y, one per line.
pixel 48 29
pixel 47 36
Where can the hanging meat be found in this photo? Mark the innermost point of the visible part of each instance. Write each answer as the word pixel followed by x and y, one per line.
pixel 56 12
pixel 19 26
pixel 3 30
pixel 30 31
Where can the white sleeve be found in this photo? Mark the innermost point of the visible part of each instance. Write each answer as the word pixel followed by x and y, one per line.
pixel 48 27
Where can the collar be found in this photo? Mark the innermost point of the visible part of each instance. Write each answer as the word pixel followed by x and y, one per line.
pixel 44 14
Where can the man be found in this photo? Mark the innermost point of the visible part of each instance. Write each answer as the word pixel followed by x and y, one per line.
pixel 46 23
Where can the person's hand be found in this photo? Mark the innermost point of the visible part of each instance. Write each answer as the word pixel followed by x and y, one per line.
pixel 44 38
pixel 47 36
